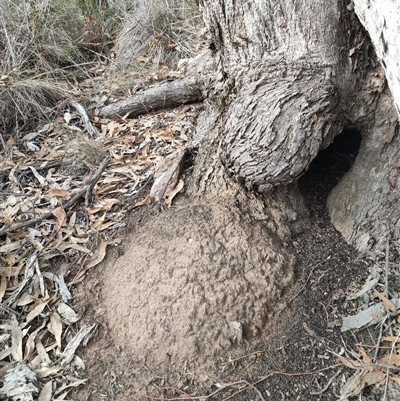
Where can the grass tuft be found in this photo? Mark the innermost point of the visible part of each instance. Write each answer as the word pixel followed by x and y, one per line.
pixel 45 46
pixel 157 32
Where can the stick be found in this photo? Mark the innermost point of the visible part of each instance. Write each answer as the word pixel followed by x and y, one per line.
pixel 207 397
pixel 66 205
pixel 387 270
pixel 86 122
pixel 308 279
pixel 330 381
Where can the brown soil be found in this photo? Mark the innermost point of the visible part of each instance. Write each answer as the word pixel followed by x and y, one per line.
pixel 161 327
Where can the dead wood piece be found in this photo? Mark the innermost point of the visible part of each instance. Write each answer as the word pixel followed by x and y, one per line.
pixel 82 337
pixel 86 121
pixel 84 191
pixel 165 95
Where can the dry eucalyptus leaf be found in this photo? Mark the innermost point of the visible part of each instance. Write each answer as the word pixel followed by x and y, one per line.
pixel 46 392
pixel 3 285
pixel 67 117
pixel 61 193
pixel 67 313
pixel 99 255
pixel 75 383
pixel 16 340
pixel 12 246
pixel 36 311
pixel 55 327
pixel 47 371
pixel 61 216
pixel 42 353
pixel 40 178
pixel 78 362
pixel 64 291
pixel 5 353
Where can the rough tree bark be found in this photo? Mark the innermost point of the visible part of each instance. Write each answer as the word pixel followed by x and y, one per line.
pixel 284 78
pixel 293 75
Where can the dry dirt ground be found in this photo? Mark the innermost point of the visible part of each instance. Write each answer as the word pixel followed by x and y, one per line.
pixel 292 359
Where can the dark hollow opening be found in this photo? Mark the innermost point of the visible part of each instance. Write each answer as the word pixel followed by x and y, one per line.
pixel 328 168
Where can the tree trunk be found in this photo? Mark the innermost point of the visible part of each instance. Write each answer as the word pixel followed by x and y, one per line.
pixel 291 76
pixel 285 78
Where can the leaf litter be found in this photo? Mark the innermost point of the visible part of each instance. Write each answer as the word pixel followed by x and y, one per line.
pixel 40 172
pixel 59 211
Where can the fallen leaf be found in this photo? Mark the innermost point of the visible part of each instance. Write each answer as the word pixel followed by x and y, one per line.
pixel 5 353
pixel 46 392
pixel 12 246
pixel 36 311
pixel 3 286
pixel 350 363
pixel 55 327
pixel 366 359
pixel 67 313
pixel 391 339
pixel 61 216
pixel 391 359
pixel 16 340
pixel 385 301
pixel 42 354
pixel 47 371
pixel 61 193
pixel 67 117
pixel 40 178
pixel 99 255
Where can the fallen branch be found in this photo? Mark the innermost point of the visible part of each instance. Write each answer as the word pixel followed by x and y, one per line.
pixel 163 96
pixel 86 121
pixel 71 202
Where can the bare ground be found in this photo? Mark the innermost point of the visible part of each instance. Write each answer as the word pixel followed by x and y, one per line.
pixel 291 358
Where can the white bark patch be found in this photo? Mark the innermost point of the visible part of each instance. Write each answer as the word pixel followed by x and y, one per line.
pixel 382 21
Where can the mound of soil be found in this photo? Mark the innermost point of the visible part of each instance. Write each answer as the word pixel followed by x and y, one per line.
pixel 231 306
pixel 193 282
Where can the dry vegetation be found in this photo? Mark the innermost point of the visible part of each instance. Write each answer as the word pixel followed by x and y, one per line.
pixel 52 51
pixel 48 47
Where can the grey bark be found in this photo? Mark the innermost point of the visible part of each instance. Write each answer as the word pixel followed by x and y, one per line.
pixel 166 95
pixel 291 75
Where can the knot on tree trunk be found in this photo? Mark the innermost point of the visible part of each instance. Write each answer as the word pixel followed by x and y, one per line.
pixel 277 125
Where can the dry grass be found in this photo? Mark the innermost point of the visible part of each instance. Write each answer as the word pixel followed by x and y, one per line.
pixel 157 32
pixel 46 46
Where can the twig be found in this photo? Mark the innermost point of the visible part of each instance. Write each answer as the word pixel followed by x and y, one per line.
pixel 387 369
pixel 242 357
pixel 330 381
pixel 209 396
pixel 308 279
pixel 86 121
pixel 89 188
pixel 185 396
pixel 66 205
pixel 379 338
pixel 387 270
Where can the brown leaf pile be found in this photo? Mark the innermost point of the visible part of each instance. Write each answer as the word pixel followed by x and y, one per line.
pixel 39 262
